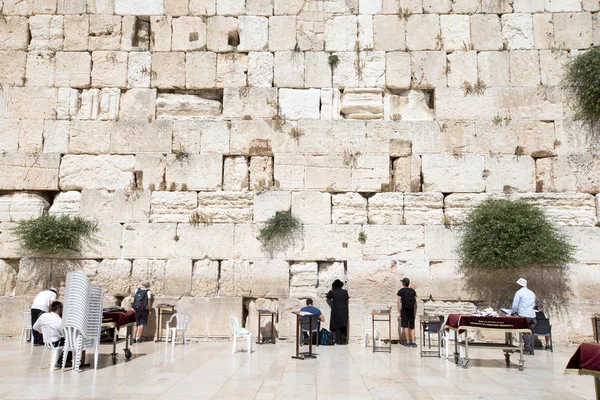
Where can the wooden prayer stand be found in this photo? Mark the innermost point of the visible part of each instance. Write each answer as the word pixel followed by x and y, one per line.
pixel 302 356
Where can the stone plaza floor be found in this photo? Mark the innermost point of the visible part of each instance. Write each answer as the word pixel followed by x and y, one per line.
pixel 210 371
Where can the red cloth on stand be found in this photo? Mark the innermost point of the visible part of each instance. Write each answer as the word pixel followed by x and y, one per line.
pixel 120 318
pixel 456 320
pixel 587 357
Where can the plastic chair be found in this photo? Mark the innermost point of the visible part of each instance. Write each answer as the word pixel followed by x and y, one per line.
pixel 543 328
pixel 305 325
pixel 47 333
pixel 26 327
pixel 181 323
pixel 240 333
pixel 365 320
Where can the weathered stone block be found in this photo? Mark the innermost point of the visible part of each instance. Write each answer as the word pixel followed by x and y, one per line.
pixel 235 173
pixel 150 272
pixel 189 34
pixel 138 103
pixel 161 28
pixel 40 69
pixel 370 172
pixel 225 207
pixel 115 277
pixel 362 104
pixel 66 203
pixel 258 102
pixel 493 68
pixel 17 103
pixel 446 173
pixel 266 204
pixel 423 208
pixel 552 64
pixel 398 71
pixel 572 209
pixel 345 73
pixel 282 33
pixel 254 33
pixel 105 32
pixel 524 68
pixel 8 278
pixel 558 6
pixel 331 242
pixel 186 106
pixel 389 33
pixel 168 70
pixel 423 32
pixel 205 277
pixel 289 69
pixel 340 33
pixel 201 70
pixel 198 172
pixel 428 69
pixel 109 172
pixel 528 6
pixel 348 208
pixel 312 207
pixel 386 209
pixel 22 171
pixel 172 206
pixel 139 7
pixel 510 174
pixel 76 29
pixel 141 137
pixel 33 276
pixel 14 33
pixel 486 32
pixel 577 173
pixel 260 69
pixel 178 273
pixel 456 32
pixel 410 105
pixel 20 205
pixel 327 172
pixel 303 280
pixel 261 173
pixel 317 71
pixel 363 285
pixel 139 69
pixel 462 67
pixel 466 6
pixel 299 104
pixel 203 7
pixel 205 241
pixel 109 69
pixel 222 34
pixel 517 31
pixel 149 240
pixel 573 31
pixel 46 32
pixel 232 70
pixel 56 136
pixel 12 67
pixel 398 242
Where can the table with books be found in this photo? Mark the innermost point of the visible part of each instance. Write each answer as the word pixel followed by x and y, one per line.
pixel 463 324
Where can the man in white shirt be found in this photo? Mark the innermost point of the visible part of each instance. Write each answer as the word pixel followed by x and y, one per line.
pixel 42 303
pixel 54 320
pixel 524 306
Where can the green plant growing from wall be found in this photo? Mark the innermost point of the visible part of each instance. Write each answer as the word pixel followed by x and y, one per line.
pixel 503 240
pixel 582 81
pixel 362 237
pixel 334 60
pixel 52 234
pixel 279 231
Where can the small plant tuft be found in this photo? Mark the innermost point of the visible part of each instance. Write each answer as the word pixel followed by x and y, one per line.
pixel 181 154
pixel 197 218
pixel 581 81
pixel 51 234
pixel 404 13
pixel 334 61
pixel 280 230
pixel 477 89
pixel 519 151
pixel 296 132
pixel 362 237
pixel 351 158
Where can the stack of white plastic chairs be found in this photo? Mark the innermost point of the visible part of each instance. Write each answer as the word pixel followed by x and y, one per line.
pixel 82 317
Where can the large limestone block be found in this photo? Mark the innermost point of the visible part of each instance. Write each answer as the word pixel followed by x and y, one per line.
pixel 348 208
pixel 138 103
pixel 260 138
pixel 331 242
pixel 168 70
pixel 345 74
pixel 321 136
pixel 225 207
pixel 109 172
pixel 401 242
pixel 573 31
pixel 528 6
pixel 109 242
pixel 576 173
pixel 552 64
pixel 105 32
pixel 149 240
pixel 153 168
pixel 447 173
pixel 289 172
pixel 18 103
pixel 115 277
pixel 458 205
pixel 386 209
pixel 33 276
pixel 22 205
pixel 289 69
pixel 189 34
pixel 66 203
pixel 202 7
pixel 235 279
pixel 330 104
pixel 584 281
pixel 572 209
pixel 257 102
pixel 317 71
pixel 109 69
pixel 46 32
pixel 261 173
pixel 260 69
pixel 486 32
pixel 235 173
pixel 389 33
pixel 231 7
pixel 8 278
pixel 217 315
pixel 372 279
pixel 370 172
pixel 139 7
pixel 586 239
pixel 462 67
pixel 118 206
pixel 328 272
pixel 14 33
pixel 205 277
pixel 559 6
pixel 312 207
pixel 406 174
pixel 441 242
pixel 466 6
pixel 282 33
pixel 428 69
pixel 300 104
pixel 266 204
pixel 267 330
pixel 423 32
pixel 184 106
pixel 524 68
pixel 482 137
pixel 61 267
pixel 423 208
pixel 9 247
pixel 40 69
pixel 139 65
pixel 543 31
pixel 197 172
pixel 456 32
pixel 161 28
pixel 12 68
pixel 517 31
pixel 200 70
pixel 362 104
pixel 187 136
pixel 150 272
pixel 509 174
pixel 365 32
pixel 221 32
pixel 76 29
pixel 172 206
pixel 214 136
pixel 341 33
pixel 493 68
pixel 90 137
pixel 205 241
pixel 56 136
pixel 327 172
pixel 141 137
pixel 232 70
pixel 10 312
pixel 9 135
pixel 254 33
pixel 270 278
pixel 259 7
pixel 411 105
pixel 22 171
pixel 178 273
pixel 398 71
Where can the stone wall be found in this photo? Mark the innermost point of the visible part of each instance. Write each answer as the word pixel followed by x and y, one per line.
pixel 391 118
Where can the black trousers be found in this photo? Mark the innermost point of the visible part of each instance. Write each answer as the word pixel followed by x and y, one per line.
pixel 341 335
pixel 37 337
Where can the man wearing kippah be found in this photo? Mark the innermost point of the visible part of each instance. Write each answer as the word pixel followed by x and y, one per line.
pixel 523 305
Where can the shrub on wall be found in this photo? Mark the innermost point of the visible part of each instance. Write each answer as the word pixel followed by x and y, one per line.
pixel 279 230
pixel 582 79
pixel 503 240
pixel 51 234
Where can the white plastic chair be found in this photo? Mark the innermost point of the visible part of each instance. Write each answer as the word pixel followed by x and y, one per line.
pixel 365 320
pixel 47 333
pixel 26 326
pixel 181 323
pixel 240 333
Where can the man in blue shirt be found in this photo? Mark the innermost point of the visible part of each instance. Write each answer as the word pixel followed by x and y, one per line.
pixel 523 305
pixel 315 311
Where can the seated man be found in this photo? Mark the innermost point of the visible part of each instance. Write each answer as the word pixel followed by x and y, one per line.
pixel 315 311
pixel 53 319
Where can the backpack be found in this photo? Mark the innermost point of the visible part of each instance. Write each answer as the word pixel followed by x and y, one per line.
pixel 140 301
pixel 409 300
pixel 326 338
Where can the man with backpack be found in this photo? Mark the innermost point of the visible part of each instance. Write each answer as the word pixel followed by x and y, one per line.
pixel 310 308
pixel 142 305
pixel 407 305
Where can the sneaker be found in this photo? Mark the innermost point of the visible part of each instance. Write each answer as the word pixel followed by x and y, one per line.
pixel 413 344
pixel 406 344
